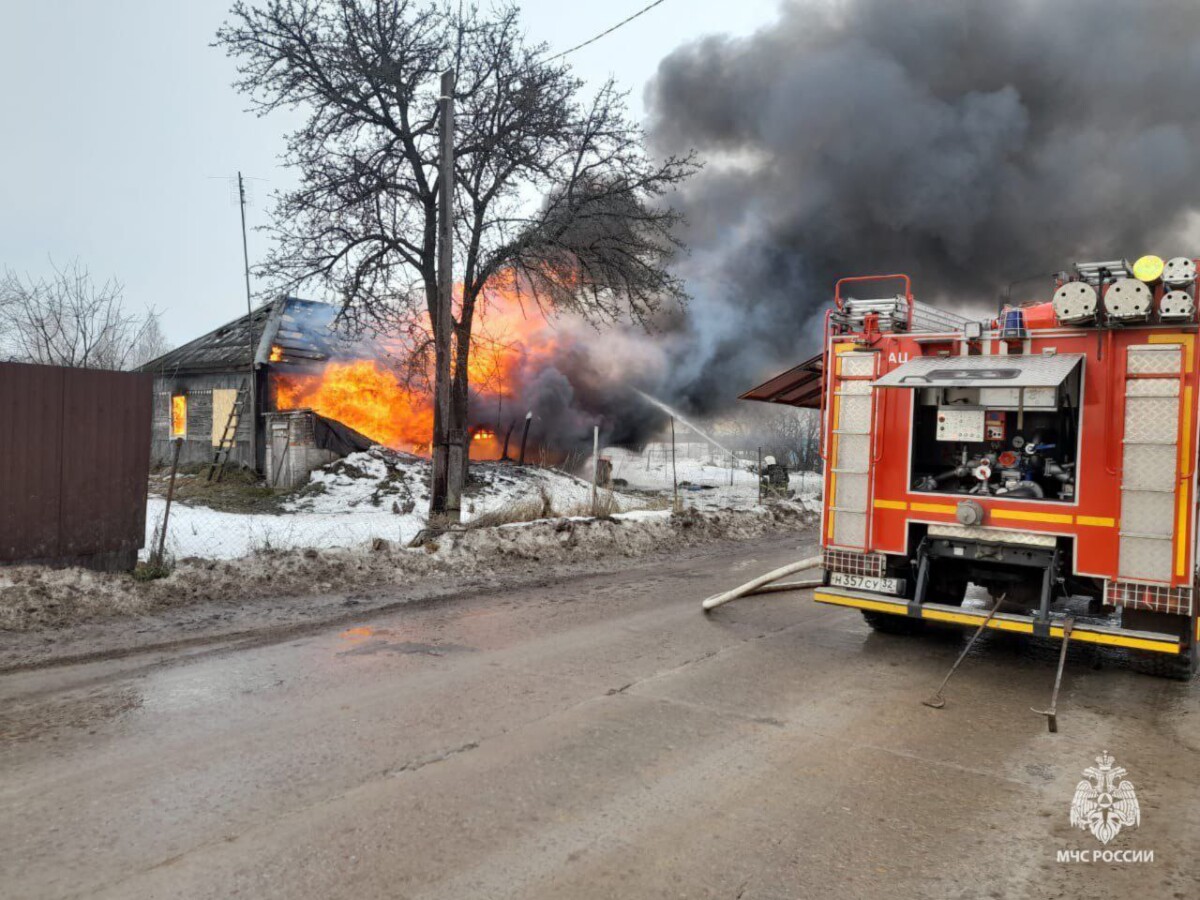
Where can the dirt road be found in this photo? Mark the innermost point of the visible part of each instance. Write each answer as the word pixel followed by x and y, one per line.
pixel 598 737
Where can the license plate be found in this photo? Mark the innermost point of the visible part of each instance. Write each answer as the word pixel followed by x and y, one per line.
pixel 868 583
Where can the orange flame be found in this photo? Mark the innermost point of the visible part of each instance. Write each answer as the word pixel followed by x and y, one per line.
pixel 369 397
pixel 179 415
pixel 276 353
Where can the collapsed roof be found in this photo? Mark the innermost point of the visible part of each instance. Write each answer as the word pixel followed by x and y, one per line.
pixel 300 329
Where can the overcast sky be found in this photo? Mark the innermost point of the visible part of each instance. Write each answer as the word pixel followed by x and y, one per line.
pixel 120 123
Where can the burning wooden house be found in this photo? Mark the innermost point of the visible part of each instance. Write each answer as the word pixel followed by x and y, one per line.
pixel 256 372
pixel 319 392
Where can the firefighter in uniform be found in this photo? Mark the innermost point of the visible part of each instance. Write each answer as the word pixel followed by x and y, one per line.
pixel 774 478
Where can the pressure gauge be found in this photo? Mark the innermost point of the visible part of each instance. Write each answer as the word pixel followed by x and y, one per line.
pixel 1018 442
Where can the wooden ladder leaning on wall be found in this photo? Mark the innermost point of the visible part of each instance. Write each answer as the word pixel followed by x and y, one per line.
pixel 229 435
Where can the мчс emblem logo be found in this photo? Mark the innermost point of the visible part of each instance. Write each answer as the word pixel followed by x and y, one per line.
pixel 1103 803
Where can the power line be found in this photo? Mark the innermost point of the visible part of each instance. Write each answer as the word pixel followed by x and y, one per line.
pixel 640 12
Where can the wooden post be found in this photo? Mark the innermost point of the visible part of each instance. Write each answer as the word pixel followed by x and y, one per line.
pixel 525 437
pixel 760 474
pixel 595 464
pixel 674 479
pixel 157 558
pixel 507 435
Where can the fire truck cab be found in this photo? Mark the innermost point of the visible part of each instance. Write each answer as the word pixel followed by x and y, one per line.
pixel 1047 456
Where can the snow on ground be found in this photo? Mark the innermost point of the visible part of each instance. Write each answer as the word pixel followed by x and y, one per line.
pixel 367 495
pixel 379 494
pixel 211 534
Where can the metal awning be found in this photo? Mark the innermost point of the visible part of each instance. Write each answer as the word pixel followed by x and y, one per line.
pixel 798 386
pixel 1042 370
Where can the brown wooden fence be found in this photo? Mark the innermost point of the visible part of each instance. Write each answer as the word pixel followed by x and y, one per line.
pixel 74 457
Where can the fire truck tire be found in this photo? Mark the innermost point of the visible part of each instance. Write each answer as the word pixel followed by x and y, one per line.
pixel 890 623
pixel 1161 665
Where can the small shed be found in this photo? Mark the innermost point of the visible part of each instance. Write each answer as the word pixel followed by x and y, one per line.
pixel 300 440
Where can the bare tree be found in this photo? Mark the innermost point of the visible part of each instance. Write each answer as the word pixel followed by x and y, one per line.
pixel 150 344
pixel 810 440
pixel 67 319
pixel 553 190
pixel 790 434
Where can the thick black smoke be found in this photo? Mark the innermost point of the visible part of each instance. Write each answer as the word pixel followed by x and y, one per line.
pixel 969 143
pixel 589 378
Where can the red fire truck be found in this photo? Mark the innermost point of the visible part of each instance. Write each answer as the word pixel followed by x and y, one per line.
pixel 1047 455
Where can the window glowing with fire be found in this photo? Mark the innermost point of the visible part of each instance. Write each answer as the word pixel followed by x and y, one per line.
pixel 179 415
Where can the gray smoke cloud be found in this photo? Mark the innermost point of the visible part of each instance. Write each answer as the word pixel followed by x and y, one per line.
pixel 968 143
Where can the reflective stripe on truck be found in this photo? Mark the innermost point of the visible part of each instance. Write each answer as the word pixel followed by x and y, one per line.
pixel 955 615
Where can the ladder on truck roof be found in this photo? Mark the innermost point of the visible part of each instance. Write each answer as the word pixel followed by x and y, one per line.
pixel 229 435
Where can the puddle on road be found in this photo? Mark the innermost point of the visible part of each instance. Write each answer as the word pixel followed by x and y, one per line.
pixel 369 641
pixel 405 647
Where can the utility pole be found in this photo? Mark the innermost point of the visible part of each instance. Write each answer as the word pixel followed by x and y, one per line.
pixel 250 330
pixel 443 499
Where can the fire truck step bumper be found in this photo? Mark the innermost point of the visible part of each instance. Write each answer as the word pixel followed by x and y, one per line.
pixel 956 615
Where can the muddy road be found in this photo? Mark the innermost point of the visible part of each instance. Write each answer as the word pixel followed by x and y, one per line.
pixel 596 737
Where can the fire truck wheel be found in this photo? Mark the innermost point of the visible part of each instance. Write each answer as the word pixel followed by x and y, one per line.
pixel 890 623
pixel 1162 665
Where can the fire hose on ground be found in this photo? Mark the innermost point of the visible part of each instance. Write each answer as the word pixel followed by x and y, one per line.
pixel 764 583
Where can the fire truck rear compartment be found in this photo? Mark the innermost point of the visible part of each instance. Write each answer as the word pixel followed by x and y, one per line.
pixel 1019 443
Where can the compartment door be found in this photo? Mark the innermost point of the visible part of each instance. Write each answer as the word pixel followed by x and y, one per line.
pixel 850 460
pixel 1150 479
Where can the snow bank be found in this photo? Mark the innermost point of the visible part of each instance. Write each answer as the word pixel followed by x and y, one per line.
pixel 34 597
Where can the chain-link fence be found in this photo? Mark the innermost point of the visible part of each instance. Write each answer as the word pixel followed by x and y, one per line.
pixel 707 476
